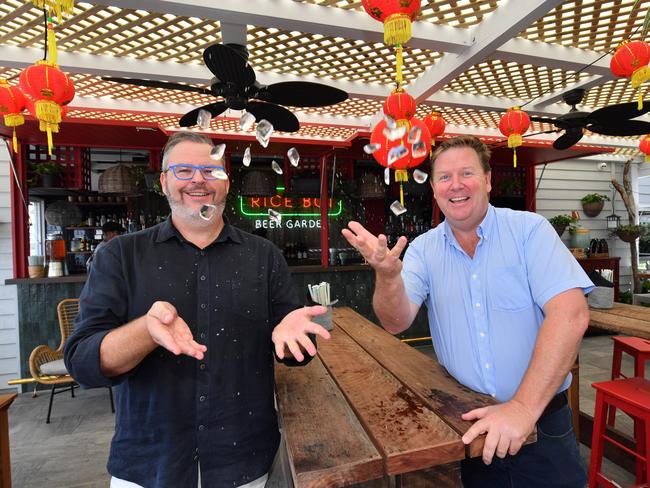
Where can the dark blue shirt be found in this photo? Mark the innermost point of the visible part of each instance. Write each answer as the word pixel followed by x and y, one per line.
pixel 173 411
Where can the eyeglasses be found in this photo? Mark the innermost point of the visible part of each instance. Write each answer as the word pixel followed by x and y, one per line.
pixel 187 171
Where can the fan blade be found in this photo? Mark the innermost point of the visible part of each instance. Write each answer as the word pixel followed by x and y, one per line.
pixel 190 118
pixel 621 128
pixel 281 118
pixel 568 139
pixel 543 120
pixel 228 65
pixel 168 85
pixel 620 111
pixel 302 94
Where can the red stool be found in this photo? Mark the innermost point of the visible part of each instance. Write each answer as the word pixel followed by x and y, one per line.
pixel 633 397
pixel 636 347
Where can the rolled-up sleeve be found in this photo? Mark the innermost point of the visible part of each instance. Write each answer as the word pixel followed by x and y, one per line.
pixel 103 306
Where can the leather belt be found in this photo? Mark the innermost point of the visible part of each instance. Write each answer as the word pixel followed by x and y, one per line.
pixel 556 403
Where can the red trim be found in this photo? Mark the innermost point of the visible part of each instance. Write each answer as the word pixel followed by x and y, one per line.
pixel 324 240
pixel 20 215
pixel 531 183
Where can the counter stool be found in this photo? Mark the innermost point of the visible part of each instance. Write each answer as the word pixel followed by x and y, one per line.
pixel 636 347
pixel 631 395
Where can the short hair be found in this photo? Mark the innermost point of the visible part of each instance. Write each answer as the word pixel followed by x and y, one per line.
pixel 182 136
pixel 472 142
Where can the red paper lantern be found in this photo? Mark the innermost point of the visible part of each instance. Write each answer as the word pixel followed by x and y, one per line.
pixel 644 147
pixel 400 105
pixel 512 125
pixel 436 125
pixel 631 61
pixel 12 103
pixel 396 15
pixel 49 87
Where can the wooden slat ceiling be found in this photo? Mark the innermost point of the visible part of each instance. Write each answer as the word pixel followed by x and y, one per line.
pixel 473 99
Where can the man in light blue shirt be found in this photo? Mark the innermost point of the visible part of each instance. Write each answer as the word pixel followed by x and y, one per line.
pixel 506 310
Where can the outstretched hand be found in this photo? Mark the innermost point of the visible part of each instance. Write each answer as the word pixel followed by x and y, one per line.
pixel 170 331
pixel 292 332
pixel 375 249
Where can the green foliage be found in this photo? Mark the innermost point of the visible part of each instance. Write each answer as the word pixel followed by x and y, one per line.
pixel 562 220
pixel 594 198
pixel 631 228
pixel 48 168
pixel 645 286
pixel 625 297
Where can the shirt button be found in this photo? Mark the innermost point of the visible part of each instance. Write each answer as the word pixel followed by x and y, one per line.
pixel 494 395
pixel 202 366
pixel 487 365
pixel 202 398
pixel 201 427
pixel 477 305
pixel 481 334
pixel 196 457
pixel 474 276
pixel 202 277
pixel 203 305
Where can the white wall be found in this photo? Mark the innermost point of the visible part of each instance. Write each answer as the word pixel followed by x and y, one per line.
pixel 562 186
pixel 9 352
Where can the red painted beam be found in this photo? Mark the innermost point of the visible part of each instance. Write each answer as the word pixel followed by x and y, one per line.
pixel 20 214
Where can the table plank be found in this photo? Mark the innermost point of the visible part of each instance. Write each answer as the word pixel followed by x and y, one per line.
pixel 421 374
pixel 406 432
pixel 627 310
pixel 326 444
pixel 606 320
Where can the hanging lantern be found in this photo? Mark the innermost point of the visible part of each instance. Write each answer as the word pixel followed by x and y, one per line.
pixel 396 15
pixel 12 103
pixel 644 147
pixel 409 160
pixel 436 125
pixel 400 105
pixel 512 125
pixel 48 86
pixel 631 61
pixel 58 7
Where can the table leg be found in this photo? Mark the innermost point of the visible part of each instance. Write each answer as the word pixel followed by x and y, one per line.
pixel 574 397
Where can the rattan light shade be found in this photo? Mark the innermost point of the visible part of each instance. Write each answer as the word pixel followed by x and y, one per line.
pixel 117 179
pixel 258 183
pixel 62 213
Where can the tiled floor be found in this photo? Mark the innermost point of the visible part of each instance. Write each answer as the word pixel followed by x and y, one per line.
pixel 71 452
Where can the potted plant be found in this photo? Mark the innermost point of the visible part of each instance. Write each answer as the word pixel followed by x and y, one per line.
pixel 629 233
pixel 50 173
pixel 593 204
pixel 561 222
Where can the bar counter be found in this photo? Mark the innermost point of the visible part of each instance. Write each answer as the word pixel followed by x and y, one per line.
pixel 352 285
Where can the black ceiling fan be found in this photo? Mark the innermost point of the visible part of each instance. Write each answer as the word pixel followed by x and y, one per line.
pixel 609 121
pixel 236 82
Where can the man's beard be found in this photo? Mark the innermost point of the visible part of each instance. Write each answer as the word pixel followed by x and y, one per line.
pixel 190 215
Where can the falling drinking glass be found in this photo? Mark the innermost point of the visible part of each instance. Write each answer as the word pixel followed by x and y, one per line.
pixel 263 132
pixel 394 134
pixel 275 216
pixel 220 174
pixel 246 160
pixel 390 121
pixel 398 152
pixel 414 135
pixel 371 148
pixel 203 119
pixel 246 121
pixel 276 167
pixel 397 208
pixel 294 157
pixel 208 211
pixel 217 152
pixel 419 150
pixel 420 176
pixel 387 176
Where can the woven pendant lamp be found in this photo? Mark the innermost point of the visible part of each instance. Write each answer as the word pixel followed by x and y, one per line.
pixel 117 179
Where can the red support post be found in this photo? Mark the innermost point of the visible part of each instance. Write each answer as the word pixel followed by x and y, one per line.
pixel 531 184
pixel 20 221
pixel 324 208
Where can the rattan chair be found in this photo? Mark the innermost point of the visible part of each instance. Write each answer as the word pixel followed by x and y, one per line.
pixel 46 364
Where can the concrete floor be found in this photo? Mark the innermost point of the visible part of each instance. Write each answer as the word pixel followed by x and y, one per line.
pixel 71 452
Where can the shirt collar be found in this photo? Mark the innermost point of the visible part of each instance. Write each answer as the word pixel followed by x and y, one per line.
pixel 167 231
pixel 483 230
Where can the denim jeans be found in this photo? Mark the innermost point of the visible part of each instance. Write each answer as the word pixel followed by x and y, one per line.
pixel 553 461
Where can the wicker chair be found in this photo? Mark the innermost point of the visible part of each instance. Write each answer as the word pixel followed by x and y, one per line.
pixel 46 364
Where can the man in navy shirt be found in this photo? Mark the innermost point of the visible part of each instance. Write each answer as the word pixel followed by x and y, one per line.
pixel 184 318
pixel 506 309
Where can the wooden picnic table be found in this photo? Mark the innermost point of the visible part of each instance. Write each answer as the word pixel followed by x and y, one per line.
pixel 370 407
pixel 633 320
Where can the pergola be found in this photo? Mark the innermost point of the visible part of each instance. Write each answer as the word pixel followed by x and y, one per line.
pixel 469 59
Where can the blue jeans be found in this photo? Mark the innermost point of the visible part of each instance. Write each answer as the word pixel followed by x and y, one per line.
pixel 553 461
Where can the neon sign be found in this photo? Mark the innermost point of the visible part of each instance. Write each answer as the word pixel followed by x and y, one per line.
pixel 287 206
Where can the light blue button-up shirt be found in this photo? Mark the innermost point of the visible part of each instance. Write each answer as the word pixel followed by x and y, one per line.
pixel 485 312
